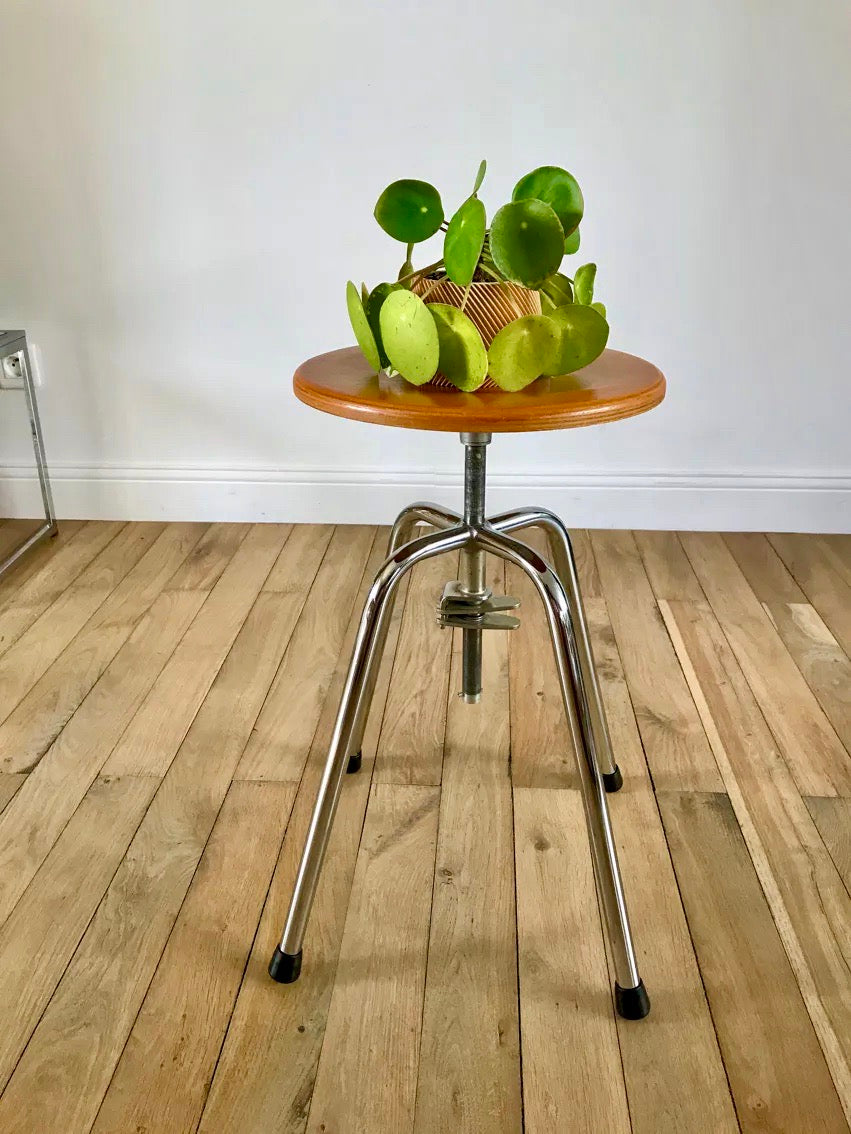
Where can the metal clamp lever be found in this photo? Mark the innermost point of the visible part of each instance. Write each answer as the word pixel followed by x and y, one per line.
pixel 458 607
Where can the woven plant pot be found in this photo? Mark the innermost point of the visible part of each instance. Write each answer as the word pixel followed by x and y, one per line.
pixel 490 306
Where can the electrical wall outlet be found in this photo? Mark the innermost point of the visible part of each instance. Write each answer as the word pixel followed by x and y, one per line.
pixel 12 371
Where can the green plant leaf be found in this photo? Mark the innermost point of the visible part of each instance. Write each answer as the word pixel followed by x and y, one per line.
pixel 600 308
pixel 523 350
pixel 409 211
pixel 555 292
pixel 373 308
pixel 361 327
pixel 480 176
pixel 462 245
pixel 409 335
pixel 583 284
pixel 463 358
pixel 583 337
pixel 571 243
pixel 558 188
pixel 526 242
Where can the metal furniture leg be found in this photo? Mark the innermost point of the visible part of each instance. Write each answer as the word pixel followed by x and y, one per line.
pixel 630 995
pixel 285 964
pixel 401 533
pixel 564 562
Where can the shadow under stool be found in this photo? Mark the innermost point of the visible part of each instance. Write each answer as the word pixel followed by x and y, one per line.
pixel 617 385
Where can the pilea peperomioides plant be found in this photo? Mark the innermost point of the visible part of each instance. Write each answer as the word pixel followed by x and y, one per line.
pixel 495 309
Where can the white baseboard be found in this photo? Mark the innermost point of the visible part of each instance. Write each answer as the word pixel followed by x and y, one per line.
pixel 697 501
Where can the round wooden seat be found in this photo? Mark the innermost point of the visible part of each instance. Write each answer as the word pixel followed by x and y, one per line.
pixel 616 385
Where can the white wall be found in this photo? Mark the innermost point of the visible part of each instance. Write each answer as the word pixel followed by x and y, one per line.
pixel 186 185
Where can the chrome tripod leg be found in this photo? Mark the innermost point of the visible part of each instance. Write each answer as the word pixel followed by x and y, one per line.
pixel 630 994
pixel 564 562
pixel 286 961
pixel 402 532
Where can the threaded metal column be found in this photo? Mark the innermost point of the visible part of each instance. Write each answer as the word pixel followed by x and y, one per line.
pixel 473 560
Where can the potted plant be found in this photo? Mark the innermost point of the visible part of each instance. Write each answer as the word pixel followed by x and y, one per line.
pixel 494 310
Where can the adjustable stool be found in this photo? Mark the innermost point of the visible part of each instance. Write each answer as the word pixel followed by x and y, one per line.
pixel 616 385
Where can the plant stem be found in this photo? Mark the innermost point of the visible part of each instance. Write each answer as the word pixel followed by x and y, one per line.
pixel 421 271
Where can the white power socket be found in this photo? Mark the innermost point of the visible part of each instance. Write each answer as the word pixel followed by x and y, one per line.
pixel 12 371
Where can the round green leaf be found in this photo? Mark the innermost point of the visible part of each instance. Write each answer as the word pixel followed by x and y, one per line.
pixel 583 283
pixel 360 326
pixel 409 336
pixel 555 292
pixel 462 245
pixel 522 351
pixel 583 337
pixel 571 243
pixel 410 211
pixel 527 242
pixel 463 358
pixel 558 188
pixel 480 176
pixel 600 308
pixel 373 308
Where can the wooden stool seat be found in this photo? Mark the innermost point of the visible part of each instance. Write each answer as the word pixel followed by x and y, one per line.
pixel 617 385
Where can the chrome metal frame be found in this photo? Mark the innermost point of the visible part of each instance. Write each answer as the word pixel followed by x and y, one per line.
pixel 11 342
pixel 474 536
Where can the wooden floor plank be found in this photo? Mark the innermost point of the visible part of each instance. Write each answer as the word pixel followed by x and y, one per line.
pixel 34 819
pixel 672 1064
pixel 203 566
pixel 824 578
pixel 677 751
pixel 667 566
pixel 10 782
pixel 411 749
pixel 162 1077
pixel 565 995
pixel 377 1004
pixel 20 608
pixel 808 901
pixel 833 819
pixel 29 564
pixel 586 564
pixel 42 714
pixel 470 1059
pixel 274 1026
pixel 776 1068
pixel 39 646
pixel 285 728
pixel 541 748
pixel 762 567
pixel 40 936
pixel 825 665
pixel 158 728
pixel 813 751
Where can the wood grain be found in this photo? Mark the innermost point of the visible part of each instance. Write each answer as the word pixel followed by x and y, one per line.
pixel 10 782
pixel 667 566
pixel 161 1080
pixel 808 901
pixel 378 994
pixel 281 738
pixel 674 1074
pixel 762 567
pixel 617 385
pixel 28 565
pixel 679 757
pixel 565 994
pixel 777 1071
pixel 410 750
pixel 274 1027
pixel 470 1057
pixel 42 714
pixel 824 577
pixel 833 819
pixel 810 746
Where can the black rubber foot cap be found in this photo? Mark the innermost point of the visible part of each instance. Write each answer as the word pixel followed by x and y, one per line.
pixel 613 781
pixel 354 763
pixel 285 967
pixel 632 1003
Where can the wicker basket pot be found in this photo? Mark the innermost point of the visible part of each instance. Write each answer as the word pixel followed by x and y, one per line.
pixel 490 306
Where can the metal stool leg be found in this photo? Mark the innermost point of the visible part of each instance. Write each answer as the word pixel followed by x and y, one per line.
pixel 285 965
pixel 401 533
pixel 630 995
pixel 564 562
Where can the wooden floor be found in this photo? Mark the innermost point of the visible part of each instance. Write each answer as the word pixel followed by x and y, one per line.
pixel 167 694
